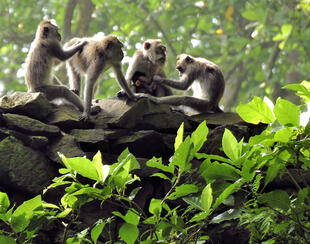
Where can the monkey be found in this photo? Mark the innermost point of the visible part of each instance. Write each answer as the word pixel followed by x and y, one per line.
pixel 44 51
pixel 96 57
pixel 147 62
pixel 203 76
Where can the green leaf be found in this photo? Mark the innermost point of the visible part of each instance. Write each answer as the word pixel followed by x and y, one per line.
pixel 236 186
pixel 179 137
pixel 194 202
pixel 283 135
pixel 286 112
pixel 21 217
pixel 276 199
pixel 7 240
pixel 96 231
pixel 206 198
pixel 227 215
pixel 97 161
pixel 161 175
pixel 216 170
pixel 211 156
pixel 296 87
pixel 231 147
pixel 199 216
pixel 183 190
pixel 64 213
pixel 82 166
pixel 4 202
pixel 155 207
pixel 256 111
pixel 131 217
pixel 253 14
pixel 199 136
pixel 157 163
pixel 128 233
pixel 181 155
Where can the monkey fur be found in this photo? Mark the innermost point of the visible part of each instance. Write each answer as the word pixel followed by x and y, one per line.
pixel 44 51
pixel 201 75
pixel 96 57
pixel 147 62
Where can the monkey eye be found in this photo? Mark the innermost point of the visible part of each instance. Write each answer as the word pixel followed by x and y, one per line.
pixel 188 59
pixel 109 45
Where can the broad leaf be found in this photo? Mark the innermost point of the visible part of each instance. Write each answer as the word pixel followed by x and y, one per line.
pixel 155 207
pixel 181 155
pixel 22 215
pixel 206 198
pixel 199 136
pixel 157 163
pixel 82 166
pixel 179 137
pixel 286 112
pixel 216 170
pixel 4 202
pixel 128 233
pixel 227 215
pixel 183 190
pixel 231 147
pixel 276 199
pixel 228 191
pixel 255 112
pixel 7 240
pixel 97 230
pixel 194 202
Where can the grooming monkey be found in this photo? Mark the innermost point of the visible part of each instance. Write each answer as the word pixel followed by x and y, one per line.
pixel 44 51
pixel 146 63
pixel 203 76
pixel 96 57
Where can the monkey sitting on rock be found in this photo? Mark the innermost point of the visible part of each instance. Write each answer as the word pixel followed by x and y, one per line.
pixel 44 51
pixel 147 62
pixel 96 57
pixel 201 75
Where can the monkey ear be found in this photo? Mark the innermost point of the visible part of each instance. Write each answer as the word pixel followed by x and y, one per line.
pixel 189 60
pixel 147 45
pixel 45 31
pixel 178 57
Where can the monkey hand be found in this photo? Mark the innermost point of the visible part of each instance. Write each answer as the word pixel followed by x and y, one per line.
pixel 80 44
pixel 142 95
pixel 84 117
pixel 158 79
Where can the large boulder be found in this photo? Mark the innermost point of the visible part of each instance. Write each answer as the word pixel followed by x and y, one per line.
pixel 34 105
pixel 22 168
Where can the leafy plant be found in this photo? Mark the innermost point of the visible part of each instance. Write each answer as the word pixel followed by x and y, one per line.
pixel 197 198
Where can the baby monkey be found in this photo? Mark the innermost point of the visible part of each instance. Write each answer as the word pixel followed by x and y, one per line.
pixel 147 62
pixel 203 76
pixel 44 51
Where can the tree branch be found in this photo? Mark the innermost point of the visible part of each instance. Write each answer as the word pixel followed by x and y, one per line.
pixel 71 4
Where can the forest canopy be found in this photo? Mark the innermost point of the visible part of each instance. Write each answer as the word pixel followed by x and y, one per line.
pixel 260 45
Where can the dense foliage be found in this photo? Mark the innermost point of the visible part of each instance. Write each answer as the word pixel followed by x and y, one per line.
pixel 260 45
pixel 209 193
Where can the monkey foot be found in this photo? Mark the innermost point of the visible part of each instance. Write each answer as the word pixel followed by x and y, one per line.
pixel 95 109
pixel 121 94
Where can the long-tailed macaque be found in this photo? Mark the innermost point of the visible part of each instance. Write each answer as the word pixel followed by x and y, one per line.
pixel 146 63
pixel 203 76
pixel 96 57
pixel 44 51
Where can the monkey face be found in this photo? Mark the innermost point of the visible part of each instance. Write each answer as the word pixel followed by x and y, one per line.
pixel 114 49
pixel 184 62
pixel 155 51
pixel 47 30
